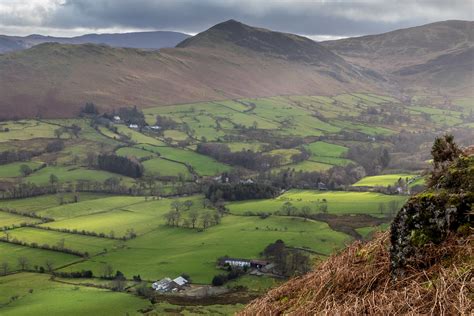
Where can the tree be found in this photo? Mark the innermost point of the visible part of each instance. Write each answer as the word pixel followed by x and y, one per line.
pixel 4 267
pixel 91 159
pixel 60 243
pixel 206 219
pixel 384 158
pixel 107 271
pixel 49 265
pixel 306 212
pixel 288 208
pixel 193 217
pixel 58 132
pixel 323 208
pixel 444 150
pixel 53 179
pixel 25 170
pixel 219 280
pixel 176 205
pixel 188 204
pixel 23 263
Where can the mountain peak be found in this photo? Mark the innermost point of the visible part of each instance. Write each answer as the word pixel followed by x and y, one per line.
pixel 232 34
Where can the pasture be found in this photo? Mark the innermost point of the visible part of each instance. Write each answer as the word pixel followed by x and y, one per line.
pixel 81 243
pixel 10 254
pixel 42 202
pixel 68 174
pixel 9 219
pixel 338 202
pixel 36 294
pixel 170 251
pixel 13 169
pixel 203 165
pixel 163 167
pixel 382 180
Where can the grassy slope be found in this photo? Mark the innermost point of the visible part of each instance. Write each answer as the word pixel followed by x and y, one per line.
pixel 53 298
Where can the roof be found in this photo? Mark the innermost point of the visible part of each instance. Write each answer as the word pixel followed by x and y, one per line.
pixel 180 281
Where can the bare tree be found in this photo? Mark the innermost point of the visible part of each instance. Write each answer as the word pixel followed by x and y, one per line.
pixel 193 217
pixel 107 270
pixel 4 266
pixel 49 265
pixel 23 263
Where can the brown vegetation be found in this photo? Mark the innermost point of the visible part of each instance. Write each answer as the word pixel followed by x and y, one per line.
pixel 358 281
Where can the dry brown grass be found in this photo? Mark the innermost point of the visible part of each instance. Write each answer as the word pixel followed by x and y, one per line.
pixel 358 281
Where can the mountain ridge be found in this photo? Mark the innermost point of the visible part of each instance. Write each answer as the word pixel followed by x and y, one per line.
pixel 143 40
pixel 229 60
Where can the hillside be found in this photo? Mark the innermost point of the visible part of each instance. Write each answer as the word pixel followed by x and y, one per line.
pixel 424 266
pixel 145 40
pixel 434 56
pixel 54 80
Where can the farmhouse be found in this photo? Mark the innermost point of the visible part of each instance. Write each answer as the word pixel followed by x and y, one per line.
pixel 167 285
pixel 242 263
pixel 133 126
pixel 117 118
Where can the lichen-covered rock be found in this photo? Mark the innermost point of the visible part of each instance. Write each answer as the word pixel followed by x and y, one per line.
pixel 431 215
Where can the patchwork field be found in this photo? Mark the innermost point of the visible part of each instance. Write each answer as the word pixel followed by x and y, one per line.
pixel 171 251
pixel 318 131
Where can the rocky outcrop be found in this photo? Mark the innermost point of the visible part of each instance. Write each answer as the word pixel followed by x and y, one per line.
pixel 431 216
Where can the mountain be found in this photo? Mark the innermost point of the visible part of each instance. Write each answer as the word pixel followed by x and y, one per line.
pixel 145 40
pixel 230 60
pixel 436 56
pixel 275 44
pixel 422 266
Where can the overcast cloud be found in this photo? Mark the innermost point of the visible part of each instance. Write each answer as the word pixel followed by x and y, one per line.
pixel 322 19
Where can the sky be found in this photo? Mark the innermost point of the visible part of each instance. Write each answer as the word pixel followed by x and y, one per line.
pixel 318 19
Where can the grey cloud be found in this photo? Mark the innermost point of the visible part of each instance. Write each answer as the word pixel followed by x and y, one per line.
pixel 337 18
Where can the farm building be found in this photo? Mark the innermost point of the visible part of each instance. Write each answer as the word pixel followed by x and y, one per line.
pixel 167 285
pixel 242 263
pixel 135 126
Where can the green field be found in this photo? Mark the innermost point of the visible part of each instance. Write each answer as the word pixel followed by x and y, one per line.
pixel 13 169
pixel 162 167
pixel 339 202
pixel 328 127
pixel 26 129
pixel 9 219
pixel 133 152
pixel 36 257
pixel 307 166
pixel 42 202
pixel 73 174
pixel 382 180
pixel 91 245
pixel 170 251
pixel 203 165
pixel 36 294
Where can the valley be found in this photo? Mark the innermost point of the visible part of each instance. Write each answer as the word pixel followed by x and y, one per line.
pixel 336 164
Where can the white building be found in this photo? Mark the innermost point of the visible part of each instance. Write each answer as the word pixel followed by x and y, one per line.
pixel 133 126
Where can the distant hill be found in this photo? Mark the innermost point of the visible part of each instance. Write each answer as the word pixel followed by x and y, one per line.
pixel 145 40
pixel 54 80
pixel 434 56
pixel 231 60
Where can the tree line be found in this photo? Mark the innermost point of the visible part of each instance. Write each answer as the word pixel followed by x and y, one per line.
pixel 122 165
